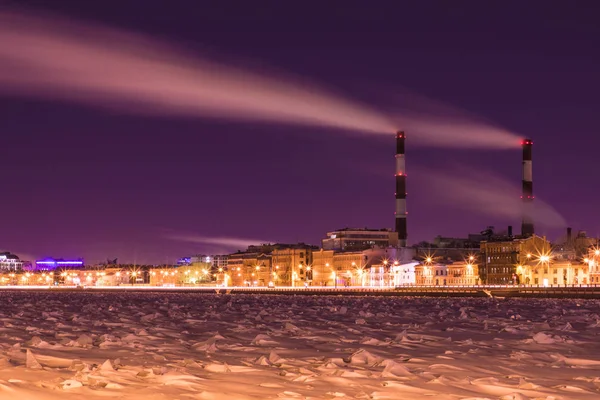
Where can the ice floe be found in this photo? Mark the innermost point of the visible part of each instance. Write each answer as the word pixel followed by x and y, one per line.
pixel 58 346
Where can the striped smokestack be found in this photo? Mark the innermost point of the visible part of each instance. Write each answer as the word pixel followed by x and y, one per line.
pixel 527 225
pixel 400 190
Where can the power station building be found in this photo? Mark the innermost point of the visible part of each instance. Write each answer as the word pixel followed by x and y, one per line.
pixel 381 258
pixel 356 239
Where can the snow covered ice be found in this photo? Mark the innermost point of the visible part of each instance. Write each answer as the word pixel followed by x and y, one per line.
pixel 206 346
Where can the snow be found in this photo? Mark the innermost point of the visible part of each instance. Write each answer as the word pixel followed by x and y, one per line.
pixel 207 346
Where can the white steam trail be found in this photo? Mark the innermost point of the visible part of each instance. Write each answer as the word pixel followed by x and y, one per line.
pixel 227 242
pixel 486 193
pixel 49 57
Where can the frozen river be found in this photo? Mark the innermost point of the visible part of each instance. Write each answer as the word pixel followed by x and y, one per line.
pixel 206 346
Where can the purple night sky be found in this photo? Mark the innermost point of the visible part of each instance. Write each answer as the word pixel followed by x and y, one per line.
pixel 86 181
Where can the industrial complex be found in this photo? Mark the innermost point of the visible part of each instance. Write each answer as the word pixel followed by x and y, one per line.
pixel 355 257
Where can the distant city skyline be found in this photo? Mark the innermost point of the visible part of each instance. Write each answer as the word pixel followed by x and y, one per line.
pixel 98 183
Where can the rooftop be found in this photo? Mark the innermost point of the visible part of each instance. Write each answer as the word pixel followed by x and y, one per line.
pixel 362 230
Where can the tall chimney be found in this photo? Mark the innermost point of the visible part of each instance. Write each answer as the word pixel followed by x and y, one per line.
pixel 527 224
pixel 401 190
pixel 569 235
pixel 510 232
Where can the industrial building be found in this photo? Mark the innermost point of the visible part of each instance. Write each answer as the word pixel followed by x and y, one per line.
pixel 357 239
pixel 363 257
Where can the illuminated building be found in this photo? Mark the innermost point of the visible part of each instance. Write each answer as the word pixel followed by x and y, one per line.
pixel 216 265
pixel 51 264
pixel 217 260
pixel 553 273
pixel 593 262
pixel 403 274
pixel 197 273
pixel 433 274
pixel 272 264
pixel 501 259
pixel 452 249
pixel 350 268
pixel 323 268
pixel 161 276
pixel 463 273
pixel 184 261
pixel 241 267
pixel 372 267
pixel 10 262
pixel 355 239
pixel 292 265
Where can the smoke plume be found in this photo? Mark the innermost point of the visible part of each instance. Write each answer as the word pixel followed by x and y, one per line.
pixel 488 194
pixel 225 242
pixel 49 57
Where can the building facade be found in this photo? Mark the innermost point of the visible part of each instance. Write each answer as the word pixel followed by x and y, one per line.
pixel 501 259
pixel 403 274
pixel 431 274
pixel 293 265
pixel 247 269
pixel 323 268
pixel 376 266
pixel 51 264
pixel 556 273
pixel 10 262
pixel 354 239
pixel 268 265
pixel 463 274
pixel 593 262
